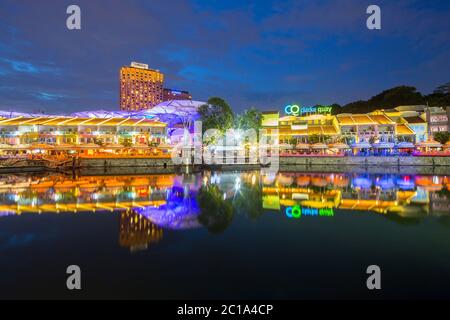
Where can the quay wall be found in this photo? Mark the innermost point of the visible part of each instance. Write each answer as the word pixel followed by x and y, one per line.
pixel 284 161
pixel 367 161
pixel 439 165
pixel 124 162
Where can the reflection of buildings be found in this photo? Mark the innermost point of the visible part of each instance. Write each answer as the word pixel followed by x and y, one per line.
pixel 404 195
pixel 167 200
pixel 150 203
pixel 137 232
pixel 56 193
pixel 147 203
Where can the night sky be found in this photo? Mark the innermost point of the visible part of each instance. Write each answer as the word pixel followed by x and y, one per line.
pixel 261 53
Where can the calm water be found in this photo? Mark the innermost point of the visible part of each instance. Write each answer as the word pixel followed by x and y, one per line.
pixel 225 235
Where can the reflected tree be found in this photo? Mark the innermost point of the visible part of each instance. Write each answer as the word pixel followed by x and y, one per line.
pixel 216 213
pixel 249 201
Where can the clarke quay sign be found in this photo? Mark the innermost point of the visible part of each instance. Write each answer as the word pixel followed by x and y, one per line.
pixel 295 110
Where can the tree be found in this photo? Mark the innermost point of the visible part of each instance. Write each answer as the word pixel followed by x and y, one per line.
pixel 216 114
pixel 443 89
pixel 249 119
pixel 126 142
pixel 440 96
pixel 388 99
pixel 248 201
pixel 98 141
pixel 315 138
pixel 442 136
pixel 216 213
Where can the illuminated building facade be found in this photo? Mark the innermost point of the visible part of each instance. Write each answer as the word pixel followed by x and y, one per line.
pixel 75 131
pixel 171 94
pixel 438 120
pixel 364 128
pixel 141 88
pixel 299 129
pixel 379 130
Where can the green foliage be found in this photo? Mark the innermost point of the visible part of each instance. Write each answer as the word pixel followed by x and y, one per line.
pixel 248 201
pixel 126 142
pixel 397 96
pixel 217 114
pixel 216 213
pixel 388 99
pixel 293 142
pixel 314 138
pixel 440 96
pixel 443 89
pixel 442 136
pixel 98 142
pixel 249 119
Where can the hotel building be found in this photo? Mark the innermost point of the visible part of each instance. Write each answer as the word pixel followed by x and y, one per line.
pixel 141 88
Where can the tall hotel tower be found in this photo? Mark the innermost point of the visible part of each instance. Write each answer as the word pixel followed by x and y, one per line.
pixel 141 88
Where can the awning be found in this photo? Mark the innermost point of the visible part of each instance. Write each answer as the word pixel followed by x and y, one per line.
pixel 383 145
pixel 361 145
pixel 113 146
pixel 303 146
pixel 429 144
pixel 21 146
pixel 64 146
pixel 319 145
pixel 88 146
pixel 338 146
pixel 43 146
pixel 405 145
pixel 402 129
pixel 4 146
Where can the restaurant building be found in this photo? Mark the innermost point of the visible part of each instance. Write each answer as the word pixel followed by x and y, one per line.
pixel 316 128
pixel 71 132
pixel 437 119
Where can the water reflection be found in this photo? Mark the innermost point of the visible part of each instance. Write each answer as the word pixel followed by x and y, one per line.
pixel 149 204
pixel 137 232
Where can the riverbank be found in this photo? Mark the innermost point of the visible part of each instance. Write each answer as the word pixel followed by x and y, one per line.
pixel 349 161
pixel 436 164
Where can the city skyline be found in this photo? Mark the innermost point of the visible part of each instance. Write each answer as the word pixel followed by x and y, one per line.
pixel 263 55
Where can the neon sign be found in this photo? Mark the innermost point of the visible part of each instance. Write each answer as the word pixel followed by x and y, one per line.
pixel 295 110
pixel 297 211
pixel 292 109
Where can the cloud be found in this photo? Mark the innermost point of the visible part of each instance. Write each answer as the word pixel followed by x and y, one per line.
pixel 47 96
pixel 28 67
pixel 251 53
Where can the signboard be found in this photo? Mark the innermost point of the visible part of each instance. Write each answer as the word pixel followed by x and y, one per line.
pixel 298 211
pixel 295 110
pixel 139 65
pixel 270 119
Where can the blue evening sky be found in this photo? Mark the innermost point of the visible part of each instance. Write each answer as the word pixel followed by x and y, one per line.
pixel 252 53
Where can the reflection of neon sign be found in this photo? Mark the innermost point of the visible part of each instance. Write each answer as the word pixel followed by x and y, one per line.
pixel 293 212
pixel 295 110
pixel 297 211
